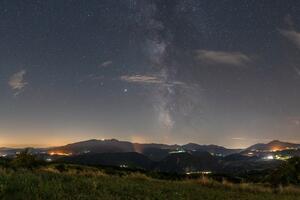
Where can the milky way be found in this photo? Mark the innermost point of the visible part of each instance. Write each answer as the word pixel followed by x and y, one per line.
pixel 172 98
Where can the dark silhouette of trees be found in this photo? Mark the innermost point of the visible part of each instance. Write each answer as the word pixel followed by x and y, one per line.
pixel 25 160
pixel 286 174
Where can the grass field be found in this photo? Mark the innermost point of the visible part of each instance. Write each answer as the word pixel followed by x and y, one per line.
pixel 91 184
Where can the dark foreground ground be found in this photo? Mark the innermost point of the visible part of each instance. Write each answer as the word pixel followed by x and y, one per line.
pixel 88 183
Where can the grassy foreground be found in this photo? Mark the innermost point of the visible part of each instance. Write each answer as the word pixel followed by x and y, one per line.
pixel 92 184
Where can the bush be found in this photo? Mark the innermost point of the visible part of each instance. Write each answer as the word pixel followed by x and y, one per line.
pixel 286 174
pixel 61 167
pixel 25 160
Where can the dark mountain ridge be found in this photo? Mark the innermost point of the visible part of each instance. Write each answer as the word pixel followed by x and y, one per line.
pixel 188 158
pixel 113 145
pixel 274 145
pixel 213 149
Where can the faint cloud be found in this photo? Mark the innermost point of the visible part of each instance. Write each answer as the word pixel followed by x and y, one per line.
pixel 148 79
pixel 106 63
pixel 17 82
pixel 252 139
pixel 294 121
pixel 95 77
pixel 222 57
pixel 297 70
pixel 141 79
pixel 238 138
pixel 289 20
pixel 291 35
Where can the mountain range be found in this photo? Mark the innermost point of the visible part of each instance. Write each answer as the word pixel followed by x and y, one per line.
pixel 190 157
pixel 113 145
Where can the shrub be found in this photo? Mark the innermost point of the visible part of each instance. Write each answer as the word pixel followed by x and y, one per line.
pixel 25 160
pixel 61 167
pixel 286 174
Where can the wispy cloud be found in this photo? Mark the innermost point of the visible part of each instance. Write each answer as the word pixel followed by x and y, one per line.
pixel 252 139
pixel 222 57
pixel 149 79
pixel 238 138
pixel 106 63
pixel 292 35
pixel 17 81
pixel 141 79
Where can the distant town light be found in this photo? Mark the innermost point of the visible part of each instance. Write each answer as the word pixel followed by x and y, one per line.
pixel 198 172
pixel 59 153
pixel 270 157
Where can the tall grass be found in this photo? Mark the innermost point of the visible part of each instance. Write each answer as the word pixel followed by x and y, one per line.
pixel 77 182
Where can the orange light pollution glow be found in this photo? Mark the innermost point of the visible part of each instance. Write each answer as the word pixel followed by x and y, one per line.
pixel 59 153
pixel 274 149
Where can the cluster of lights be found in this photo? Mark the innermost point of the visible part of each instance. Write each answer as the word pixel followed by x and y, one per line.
pixel 270 157
pixel 274 149
pixel 199 172
pixel 277 157
pixel 179 151
pixel 59 153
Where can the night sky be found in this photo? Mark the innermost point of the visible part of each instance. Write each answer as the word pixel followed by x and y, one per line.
pixel 225 72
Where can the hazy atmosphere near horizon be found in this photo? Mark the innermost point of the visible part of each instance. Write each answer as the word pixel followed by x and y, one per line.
pixel 223 72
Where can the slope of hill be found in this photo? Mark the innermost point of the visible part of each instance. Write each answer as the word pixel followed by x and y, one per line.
pixel 185 162
pixel 176 162
pixel 126 159
pixel 156 154
pixel 239 164
pixel 97 146
pixel 274 145
pixel 214 149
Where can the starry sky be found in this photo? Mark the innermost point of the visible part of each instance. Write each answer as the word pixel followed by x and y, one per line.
pixel 225 72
